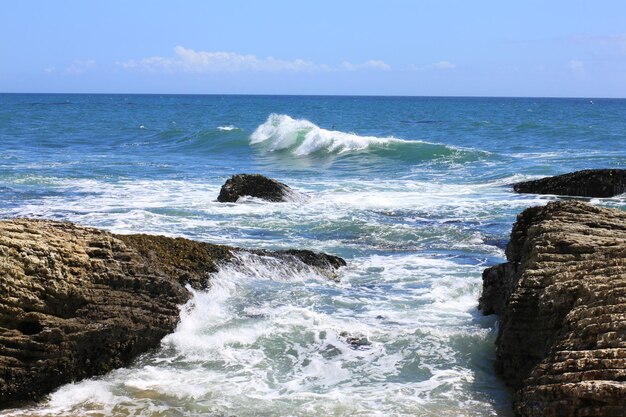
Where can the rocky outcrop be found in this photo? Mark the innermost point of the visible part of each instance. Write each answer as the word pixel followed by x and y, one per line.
pixel 562 305
pixel 321 261
pixel 255 185
pixel 600 183
pixel 77 302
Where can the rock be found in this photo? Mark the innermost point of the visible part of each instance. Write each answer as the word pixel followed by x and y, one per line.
pixel 315 259
pixel 74 302
pixel 600 183
pixel 357 342
pixel 562 302
pixel 77 302
pixel 254 185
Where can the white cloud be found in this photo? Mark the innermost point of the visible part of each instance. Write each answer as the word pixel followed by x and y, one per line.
pixel 80 66
pixel 576 67
pixel 444 65
pixel 371 64
pixel 617 41
pixel 440 65
pixel 189 60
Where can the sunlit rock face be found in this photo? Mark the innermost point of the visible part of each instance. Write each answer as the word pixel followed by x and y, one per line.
pixel 562 305
pixel 77 302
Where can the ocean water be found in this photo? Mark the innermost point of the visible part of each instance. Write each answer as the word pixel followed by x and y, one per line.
pixel 412 192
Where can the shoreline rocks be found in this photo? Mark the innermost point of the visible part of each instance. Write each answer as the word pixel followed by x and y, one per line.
pixel 77 302
pixel 561 298
pixel 595 183
pixel 255 185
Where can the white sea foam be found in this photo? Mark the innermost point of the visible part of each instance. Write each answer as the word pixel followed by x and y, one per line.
pixel 271 340
pixel 183 208
pixel 227 128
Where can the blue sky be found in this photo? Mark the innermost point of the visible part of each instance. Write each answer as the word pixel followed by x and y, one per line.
pixel 392 47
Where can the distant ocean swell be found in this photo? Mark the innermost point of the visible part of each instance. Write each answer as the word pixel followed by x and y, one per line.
pixel 298 138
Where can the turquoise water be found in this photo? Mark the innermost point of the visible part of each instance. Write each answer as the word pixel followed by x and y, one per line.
pixel 412 192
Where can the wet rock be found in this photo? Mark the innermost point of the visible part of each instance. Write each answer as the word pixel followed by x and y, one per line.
pixel 77 302
pixel 562 304
pixel 599 183
pixel 74 302
pixel 190 262
pixel 316 259
pixel 299 260
pixel 255 185
pixel 497 287
pixel 356 341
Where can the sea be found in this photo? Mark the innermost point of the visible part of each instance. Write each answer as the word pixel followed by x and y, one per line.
pixel 413 192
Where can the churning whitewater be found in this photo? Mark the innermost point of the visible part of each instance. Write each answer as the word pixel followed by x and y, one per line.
pixel 412 192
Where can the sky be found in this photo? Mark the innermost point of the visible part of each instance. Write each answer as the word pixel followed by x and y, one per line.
pixel 547 48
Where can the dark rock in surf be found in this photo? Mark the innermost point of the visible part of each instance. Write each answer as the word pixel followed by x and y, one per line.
pixel 323 263
pixel 599 183
pixel 561 298
pixel 254 185
pixel 77 302
pixel 356 341
pixel 316 259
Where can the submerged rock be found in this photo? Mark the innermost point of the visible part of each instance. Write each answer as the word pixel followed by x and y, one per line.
pixel 255 185
pixel 77 302
pixel 562 304
pixel 356 341
pixel 599 183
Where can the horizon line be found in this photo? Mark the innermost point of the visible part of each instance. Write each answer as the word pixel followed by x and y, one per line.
pixel 317 95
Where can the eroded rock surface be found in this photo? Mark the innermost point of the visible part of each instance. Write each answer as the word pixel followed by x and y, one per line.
pixel 600 183
pixel 562 305
pixel 255 185
pixel 77 302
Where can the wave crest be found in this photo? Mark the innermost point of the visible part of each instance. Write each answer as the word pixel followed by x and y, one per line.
pixel 301 137
pixel 304 138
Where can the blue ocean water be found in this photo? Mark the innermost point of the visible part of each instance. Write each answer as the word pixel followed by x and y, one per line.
pixel 412 192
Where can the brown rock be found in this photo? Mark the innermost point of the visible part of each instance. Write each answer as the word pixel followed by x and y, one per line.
pixel 562 305
pixel 77 302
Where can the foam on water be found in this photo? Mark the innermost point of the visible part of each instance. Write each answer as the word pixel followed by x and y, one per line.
pixel 272 340
pixel 227 128
pixel 392 214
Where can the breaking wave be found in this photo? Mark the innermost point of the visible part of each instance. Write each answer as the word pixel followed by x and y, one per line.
pixel 301 137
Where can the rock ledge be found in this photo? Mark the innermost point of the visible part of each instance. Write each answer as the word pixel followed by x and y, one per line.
pixel 77 302
pixel 562 305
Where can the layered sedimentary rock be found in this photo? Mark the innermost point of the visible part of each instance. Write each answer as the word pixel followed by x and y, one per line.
pixel 77 302
pixel 599 183
pixel 255 185
pixel 562 305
